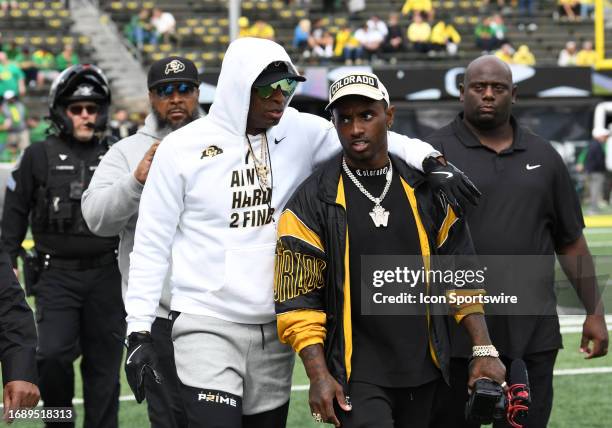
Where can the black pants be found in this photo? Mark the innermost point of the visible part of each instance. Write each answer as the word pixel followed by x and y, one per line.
pixel 81 313
pixel 164 401
pixel 450 411
pixel 376 406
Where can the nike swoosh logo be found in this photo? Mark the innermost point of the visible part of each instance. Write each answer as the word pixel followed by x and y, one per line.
pixel 448 174
pixel 530 167
pixel 276 140
pixel 132 354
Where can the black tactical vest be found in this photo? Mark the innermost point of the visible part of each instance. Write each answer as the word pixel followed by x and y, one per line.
pixel 57 207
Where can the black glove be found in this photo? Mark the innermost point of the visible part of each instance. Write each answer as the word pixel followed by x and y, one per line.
pixel 451 184
pixel 141 361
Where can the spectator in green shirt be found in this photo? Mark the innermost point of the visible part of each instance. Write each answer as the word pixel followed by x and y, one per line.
pixel 39 129
pixel 11 76
pixel 16 111
pixel 485 38
pixel 13 52
pixel 5 124
pixel 66 58
pixel 45 63
pixel 29 68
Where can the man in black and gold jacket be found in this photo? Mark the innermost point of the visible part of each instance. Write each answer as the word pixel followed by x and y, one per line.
pixel 389 365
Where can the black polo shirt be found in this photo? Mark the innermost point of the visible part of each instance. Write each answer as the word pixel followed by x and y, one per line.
pixel 528 207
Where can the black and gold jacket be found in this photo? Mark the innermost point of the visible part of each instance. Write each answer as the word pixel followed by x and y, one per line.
pixel 311 278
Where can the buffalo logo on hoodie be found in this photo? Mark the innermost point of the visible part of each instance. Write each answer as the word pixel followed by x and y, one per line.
pixel 211 151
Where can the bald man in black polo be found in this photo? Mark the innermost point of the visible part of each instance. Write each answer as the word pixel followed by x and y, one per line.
pixel 529 207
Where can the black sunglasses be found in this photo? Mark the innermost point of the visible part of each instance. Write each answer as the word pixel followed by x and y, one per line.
pixel 77 109
pixel 164 91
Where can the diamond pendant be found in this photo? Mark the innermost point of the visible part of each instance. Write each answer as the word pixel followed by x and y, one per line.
pixel 262 170
pixel 380 216
pixel 262 173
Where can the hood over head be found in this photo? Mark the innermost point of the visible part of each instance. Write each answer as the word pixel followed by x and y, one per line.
pixel 244 60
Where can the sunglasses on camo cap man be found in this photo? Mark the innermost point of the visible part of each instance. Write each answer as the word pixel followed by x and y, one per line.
pixel 276 76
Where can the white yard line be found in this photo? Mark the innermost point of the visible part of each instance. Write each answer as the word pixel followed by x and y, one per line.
pixel 577 320
pixel 600 244
pixel 575 372
pixel 597 230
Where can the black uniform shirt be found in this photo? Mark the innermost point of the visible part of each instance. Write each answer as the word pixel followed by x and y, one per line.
pixel 528 207
pixel 388 350
pixel 29 174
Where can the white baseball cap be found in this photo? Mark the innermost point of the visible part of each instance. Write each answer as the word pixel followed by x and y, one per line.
pixel 359 83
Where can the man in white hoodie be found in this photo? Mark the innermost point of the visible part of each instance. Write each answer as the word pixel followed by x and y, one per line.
pixel 209 211
pixel 110 208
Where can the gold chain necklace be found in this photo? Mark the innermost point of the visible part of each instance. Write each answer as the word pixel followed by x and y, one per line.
pixel 261 164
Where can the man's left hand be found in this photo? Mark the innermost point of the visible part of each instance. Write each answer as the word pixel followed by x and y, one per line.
pixel 487 367
pixel 594 330
pixel 19 394
pixel 141 361
pixel 452 182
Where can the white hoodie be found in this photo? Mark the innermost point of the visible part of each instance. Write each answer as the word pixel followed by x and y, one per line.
pixel 202 211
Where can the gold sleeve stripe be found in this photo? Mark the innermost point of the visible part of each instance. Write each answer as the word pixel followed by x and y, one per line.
pixel 448 222
pixel 301 328
pixel 346 319
pixel 290 225
pixel 468 292
pixel 476 308
pixel 459 312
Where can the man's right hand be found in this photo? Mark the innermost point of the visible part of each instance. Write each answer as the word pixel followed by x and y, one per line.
pixel 19 394
pixel 142 170
pixel 488 368
pixel 323 387
pixel 141 361
pixel 321 396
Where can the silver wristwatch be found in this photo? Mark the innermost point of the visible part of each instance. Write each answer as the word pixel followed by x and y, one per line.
pixel 485 351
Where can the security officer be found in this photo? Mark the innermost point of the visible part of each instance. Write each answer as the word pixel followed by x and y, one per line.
pixel 79 310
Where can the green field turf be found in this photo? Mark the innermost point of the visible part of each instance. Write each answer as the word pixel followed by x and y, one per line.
pixel 581 401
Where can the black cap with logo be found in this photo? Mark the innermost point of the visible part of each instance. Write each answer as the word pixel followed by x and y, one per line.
pixel 276 71
pixel 172 69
